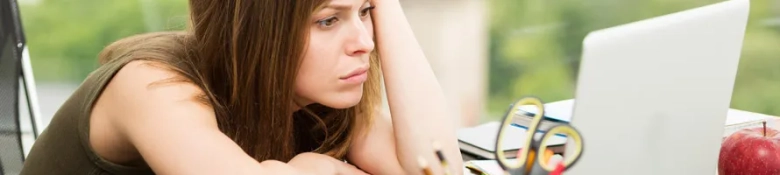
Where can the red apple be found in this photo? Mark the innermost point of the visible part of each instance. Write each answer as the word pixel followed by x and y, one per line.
pixel 752 151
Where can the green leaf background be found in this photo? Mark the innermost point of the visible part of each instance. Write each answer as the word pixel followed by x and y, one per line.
pixel 534 45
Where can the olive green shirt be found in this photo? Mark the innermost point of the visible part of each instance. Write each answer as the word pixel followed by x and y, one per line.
pixel 63 147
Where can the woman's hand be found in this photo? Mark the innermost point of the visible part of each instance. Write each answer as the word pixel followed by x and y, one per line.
pixel 319 164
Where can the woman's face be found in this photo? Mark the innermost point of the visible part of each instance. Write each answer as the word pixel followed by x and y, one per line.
pixel 335 62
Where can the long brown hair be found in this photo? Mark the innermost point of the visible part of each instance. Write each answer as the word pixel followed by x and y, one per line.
pixel 245 54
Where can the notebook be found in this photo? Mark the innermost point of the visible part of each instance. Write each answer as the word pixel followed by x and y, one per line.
pixel 484 167
pixel 491 167
pixel 480 141
pixel 559 111
pixel 556 113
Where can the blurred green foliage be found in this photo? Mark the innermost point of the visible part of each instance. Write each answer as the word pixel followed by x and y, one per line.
pixel 535 45
pixel 65 36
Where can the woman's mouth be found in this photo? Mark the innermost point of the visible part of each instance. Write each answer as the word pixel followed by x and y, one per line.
pixel 359 75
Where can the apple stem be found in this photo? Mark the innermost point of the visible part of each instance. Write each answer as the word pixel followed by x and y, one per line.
pixel 764 123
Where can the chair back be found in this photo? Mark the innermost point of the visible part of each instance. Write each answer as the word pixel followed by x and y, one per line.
pixel 11 44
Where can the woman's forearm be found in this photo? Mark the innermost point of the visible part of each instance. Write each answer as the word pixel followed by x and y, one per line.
pixel 417 103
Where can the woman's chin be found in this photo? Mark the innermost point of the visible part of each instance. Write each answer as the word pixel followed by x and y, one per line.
pixel 340 105
pixel 343 101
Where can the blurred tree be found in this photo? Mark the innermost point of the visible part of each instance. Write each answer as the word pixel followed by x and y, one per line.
pixel 65 36
pixel 536 47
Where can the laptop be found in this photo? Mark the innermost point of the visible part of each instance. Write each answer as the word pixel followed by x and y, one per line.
pixel 652 96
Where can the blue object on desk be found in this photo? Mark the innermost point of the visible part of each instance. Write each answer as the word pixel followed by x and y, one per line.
pixel 537 131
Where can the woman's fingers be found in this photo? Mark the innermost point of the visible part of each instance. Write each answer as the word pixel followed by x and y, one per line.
pixel 324 164
pixel 349 169
pixel 315 164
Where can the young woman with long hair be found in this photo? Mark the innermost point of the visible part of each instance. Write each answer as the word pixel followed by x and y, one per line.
pixel 257 87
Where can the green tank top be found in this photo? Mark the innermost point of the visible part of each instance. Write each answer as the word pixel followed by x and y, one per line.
pixel 63 147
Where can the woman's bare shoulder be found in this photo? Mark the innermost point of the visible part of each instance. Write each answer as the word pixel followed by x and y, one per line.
pixel 144 96
pixel 165 124
pixel 143 88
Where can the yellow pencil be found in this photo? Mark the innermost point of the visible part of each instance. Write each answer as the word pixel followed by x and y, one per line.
pixel 424 165
pixel 440 155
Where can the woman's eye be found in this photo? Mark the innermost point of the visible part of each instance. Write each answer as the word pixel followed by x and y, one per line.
pixel 327 22
pixel 366 11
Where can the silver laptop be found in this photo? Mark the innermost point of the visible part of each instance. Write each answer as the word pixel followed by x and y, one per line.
pixel 652 96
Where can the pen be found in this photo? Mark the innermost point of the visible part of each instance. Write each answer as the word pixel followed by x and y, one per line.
pixel 424 166
pixel 440 155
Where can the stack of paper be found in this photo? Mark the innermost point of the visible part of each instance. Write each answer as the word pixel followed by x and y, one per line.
pixel 480 141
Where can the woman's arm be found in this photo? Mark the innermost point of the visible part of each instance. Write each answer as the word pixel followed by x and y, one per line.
pixel 176 134
pixel 417 103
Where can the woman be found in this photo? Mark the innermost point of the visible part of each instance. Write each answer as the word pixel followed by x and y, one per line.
pixel 256 87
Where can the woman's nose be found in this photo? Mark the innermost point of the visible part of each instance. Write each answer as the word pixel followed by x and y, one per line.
pixel 360 40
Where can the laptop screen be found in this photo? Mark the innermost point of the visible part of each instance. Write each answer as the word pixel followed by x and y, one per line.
pixel 11 44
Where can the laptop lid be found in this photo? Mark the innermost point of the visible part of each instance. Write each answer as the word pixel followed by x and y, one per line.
pixel 652 96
